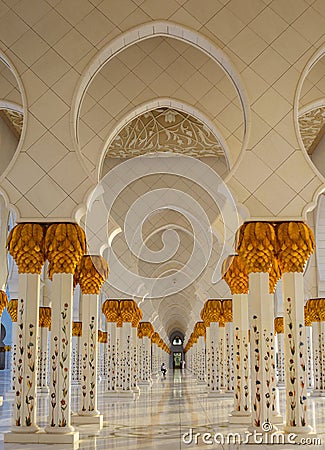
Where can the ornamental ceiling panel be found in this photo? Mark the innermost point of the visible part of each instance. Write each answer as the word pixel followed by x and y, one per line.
pixel 165 130
pixel 312 127
pixel 14 120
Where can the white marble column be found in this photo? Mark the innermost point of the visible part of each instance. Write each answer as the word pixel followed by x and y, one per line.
pixel 12 309
pixel 111 357
pixel 43 351
pixel 201 372
pixel 145 332
pixel 208 355
pixel 25 405
pixel 134 356
pixel 262 349
pixel 146 361
pixel 119 358
pixel 3 304
pixel 242 401
pixel 280 360
pixel 229 357
pixel 76 352
pixel 139 358
pixel 222 356
pixel 215 358
pixel 126 361
pixel 89 345
pixel 60 362
pixel 295 353
pixel 309 349
pixel 154 356
pixel 319 358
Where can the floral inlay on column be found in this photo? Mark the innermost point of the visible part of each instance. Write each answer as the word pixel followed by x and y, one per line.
pixel 12 309
pixel 111 310
pixel 26 245
pixel 256 247
pixel 91 273
pixel 65 244
pixel 294 244
pixel 145 332
pixel 236 276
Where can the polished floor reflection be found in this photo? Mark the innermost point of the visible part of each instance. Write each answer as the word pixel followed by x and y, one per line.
pixel 172 411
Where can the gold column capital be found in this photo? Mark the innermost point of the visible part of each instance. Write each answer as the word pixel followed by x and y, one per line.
pixel 256 245
pixel 235 274
pixel 227 310
pixel 65 244
pixel 111 310
pixel 205 314
pixel 279 325
pixel 199 329
pixel 212 311
pixel 308 321
pixel 12 309
pixel 128 310
pixel 3 301
pixel 45 317
pixel 155 338
pixel 77 329
pixel 91 272
pixel 136 317
pixel 295 243
pixel 25 243
pixel 102 337
pixel 274 275
pixel 312 309
pixel 145 329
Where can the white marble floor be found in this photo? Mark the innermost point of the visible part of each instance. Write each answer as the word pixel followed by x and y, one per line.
pixel 158 419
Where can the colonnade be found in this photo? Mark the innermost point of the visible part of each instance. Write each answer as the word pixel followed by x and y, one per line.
pixel 266 252
pixel 237 349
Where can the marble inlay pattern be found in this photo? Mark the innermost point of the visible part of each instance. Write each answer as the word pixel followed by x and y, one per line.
pixel 157 419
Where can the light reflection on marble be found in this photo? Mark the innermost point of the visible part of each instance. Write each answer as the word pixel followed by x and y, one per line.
pixel 157 419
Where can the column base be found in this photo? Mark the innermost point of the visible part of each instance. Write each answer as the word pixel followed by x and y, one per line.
pixel 58 431
pixel 237 417
pixel 110 394
pixel 316 393
pixel 41 437
pixel 252 429
pixel 277 419
pixel 25 430
pixel 43 391
pixel 227 393
pixel 118 395
pixel 144 383
pixel 127 395
pixel 77 419
pixel 218 394
pixel 306 430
